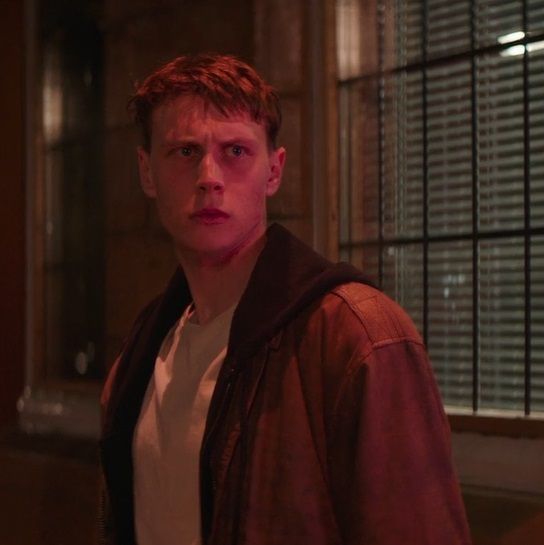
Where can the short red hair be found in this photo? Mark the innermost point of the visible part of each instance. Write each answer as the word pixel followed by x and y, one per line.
pixel 224 81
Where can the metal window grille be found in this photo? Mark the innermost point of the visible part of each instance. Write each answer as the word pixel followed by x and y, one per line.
pixel 442 183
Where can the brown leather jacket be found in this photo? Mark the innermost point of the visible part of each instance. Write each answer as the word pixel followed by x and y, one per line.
pixel 325 427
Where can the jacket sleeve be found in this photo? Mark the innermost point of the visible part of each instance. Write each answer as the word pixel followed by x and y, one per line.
pixel 106 531
pixel 391 470
pixel 106 534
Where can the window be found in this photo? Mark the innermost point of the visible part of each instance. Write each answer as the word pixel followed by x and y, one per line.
pixel 65 356
pixel 69 199
pixel 442 183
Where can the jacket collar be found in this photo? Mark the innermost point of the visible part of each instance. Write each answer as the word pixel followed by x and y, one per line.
pixel 287 276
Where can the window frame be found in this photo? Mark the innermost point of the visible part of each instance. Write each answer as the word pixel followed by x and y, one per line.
pixel 46 405
pixel 471 419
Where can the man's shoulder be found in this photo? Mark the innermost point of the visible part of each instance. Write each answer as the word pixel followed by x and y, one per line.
pixel 382 319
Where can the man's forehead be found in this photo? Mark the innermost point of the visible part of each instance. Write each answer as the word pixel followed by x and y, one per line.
pixel 187 109
pixel 191 118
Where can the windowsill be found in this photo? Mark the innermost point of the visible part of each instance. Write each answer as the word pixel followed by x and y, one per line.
pixel 498 424
pixel 512 465
pixel 59 408
pixel 498 450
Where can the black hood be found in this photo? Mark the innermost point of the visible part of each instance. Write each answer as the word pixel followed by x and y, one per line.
pixel 287 277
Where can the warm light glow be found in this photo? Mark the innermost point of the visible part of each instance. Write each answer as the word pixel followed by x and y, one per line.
pixel 52 96
pixel 348 38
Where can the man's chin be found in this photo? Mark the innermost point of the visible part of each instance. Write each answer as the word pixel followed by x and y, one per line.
pixel 212 250
pixel 204 251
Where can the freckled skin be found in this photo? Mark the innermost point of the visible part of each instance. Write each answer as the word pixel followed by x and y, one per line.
pixel 202 160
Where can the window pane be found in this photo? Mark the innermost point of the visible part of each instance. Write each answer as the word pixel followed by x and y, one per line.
pixel 497 19
pixel 537 322
pixel 403 278
pixel 535 10
pixel 73 262
pixel 500 141
pixel 408 36
pixel 448 27
pixel 536 132
pixel 450 319
pixel 502 331
pixel 449 148
pixel 403 156
pixel 466 96
pixel 71 253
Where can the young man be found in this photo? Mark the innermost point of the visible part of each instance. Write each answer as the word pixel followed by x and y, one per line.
pixel 268 397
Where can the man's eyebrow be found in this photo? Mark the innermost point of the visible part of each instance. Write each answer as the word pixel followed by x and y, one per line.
pixel 238 140
pixel 170 142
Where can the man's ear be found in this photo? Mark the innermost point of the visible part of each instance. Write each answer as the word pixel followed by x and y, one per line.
pixel 277 160
pixel 146 178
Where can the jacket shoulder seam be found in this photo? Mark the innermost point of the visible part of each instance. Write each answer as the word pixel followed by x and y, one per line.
pixel 399 335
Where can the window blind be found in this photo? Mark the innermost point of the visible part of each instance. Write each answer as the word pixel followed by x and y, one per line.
pixel 442 187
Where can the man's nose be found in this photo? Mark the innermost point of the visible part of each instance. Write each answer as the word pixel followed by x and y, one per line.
pixel 210 177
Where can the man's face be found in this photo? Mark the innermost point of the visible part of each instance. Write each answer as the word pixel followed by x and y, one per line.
pixel 210 175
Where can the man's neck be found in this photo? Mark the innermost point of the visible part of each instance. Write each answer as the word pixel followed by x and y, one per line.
pixel 216 285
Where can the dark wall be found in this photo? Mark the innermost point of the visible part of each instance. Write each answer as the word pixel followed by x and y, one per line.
pixel 12 197
pixel 138 36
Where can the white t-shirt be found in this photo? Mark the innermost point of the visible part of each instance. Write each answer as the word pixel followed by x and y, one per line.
pixel 168 434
